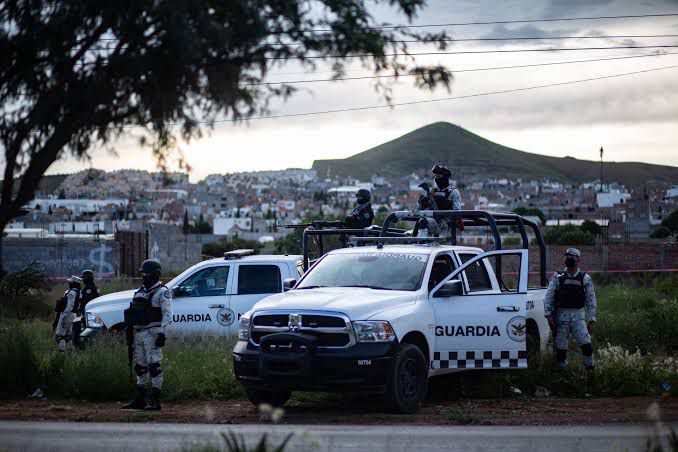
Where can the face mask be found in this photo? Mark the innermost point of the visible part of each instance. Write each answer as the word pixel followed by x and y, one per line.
pixel 441 182
pixel 149 279
pixel 570 262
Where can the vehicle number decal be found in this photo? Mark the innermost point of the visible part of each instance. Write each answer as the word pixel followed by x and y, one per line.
pixel 530 305
pixel 364 362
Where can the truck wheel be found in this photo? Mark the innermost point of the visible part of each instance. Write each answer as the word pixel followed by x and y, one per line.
pixel 275 398
pixel 409 381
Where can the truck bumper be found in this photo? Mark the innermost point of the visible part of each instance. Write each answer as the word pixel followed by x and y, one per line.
pixel 363 367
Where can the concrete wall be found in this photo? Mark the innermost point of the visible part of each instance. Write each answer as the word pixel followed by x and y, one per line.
pixel 175 251
pixel 62 257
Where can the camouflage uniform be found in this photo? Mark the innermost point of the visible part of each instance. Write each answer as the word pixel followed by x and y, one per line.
pixel 147 355
pixel 569 317
pixel 64 329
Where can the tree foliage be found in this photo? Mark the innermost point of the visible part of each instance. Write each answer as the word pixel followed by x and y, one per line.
pixel 78 75
pixel 591 227
pixel 568 235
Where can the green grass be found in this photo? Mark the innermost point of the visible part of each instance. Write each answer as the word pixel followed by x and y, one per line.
pixel 461 418
pixel 30 359
pixel 639 316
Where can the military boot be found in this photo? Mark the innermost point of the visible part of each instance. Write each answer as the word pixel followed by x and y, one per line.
pixel 139 401
pixel 154 402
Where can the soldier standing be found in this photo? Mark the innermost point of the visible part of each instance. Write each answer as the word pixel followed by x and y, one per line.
pixel 66 306
pixel 570 299
pixel 362 214
pixel 149 315
pixel 89 292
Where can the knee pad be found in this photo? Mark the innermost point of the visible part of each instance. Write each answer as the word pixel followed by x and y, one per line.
pixel 561 354
pixel 587 350
pixel 154 369
pixel 140 370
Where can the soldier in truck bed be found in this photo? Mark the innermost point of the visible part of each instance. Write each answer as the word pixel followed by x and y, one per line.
pixel 362 214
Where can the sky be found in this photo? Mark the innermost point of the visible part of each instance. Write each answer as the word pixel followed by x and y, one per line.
pixel 634 117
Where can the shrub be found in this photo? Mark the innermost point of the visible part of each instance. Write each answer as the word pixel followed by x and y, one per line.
pixel 660 232
pixel 568 235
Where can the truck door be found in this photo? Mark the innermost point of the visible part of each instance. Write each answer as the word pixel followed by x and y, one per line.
pixel 253 282
pixel 201 300
pixel 477 324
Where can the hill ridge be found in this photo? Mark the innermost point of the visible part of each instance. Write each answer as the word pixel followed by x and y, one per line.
pixel 471 155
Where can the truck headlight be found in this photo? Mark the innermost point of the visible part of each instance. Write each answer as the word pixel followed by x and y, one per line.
pixel 244 329
pixel 93 320
pixel 374 331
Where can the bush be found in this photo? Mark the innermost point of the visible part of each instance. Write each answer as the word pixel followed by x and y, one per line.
pixel 568 235
pixel 660 232
pixel 591 227
pixel 22 293
pixel 20 373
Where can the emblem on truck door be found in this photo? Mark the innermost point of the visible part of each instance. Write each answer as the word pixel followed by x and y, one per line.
pixel 516 328
pixel 294 322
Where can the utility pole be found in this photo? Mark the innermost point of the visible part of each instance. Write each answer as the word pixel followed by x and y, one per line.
pixel 601 169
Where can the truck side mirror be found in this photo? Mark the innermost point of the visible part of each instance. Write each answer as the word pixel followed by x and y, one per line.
pixel 177 292
pixel 451 288
pixel 288 283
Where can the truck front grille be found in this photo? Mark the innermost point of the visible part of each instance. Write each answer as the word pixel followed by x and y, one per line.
pixel 332 330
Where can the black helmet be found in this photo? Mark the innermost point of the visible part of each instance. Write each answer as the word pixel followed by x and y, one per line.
pixel 441 170
pixel 150 266
pixel 363 195
pixel 87 275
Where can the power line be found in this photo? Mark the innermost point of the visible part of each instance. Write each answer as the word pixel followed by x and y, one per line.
pixel 506 22
pixel 366 77
pixel 466 52
pixel 467 96
pixel 493 22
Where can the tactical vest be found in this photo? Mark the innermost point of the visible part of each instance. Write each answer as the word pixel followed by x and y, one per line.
pixel 442 198
pixel 571 293
pixel 141 311
pixel 87 294
pixel 63 301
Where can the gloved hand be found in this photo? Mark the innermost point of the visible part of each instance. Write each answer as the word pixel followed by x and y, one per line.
pixel 425 186
pixel 160 340
pixel 552 322
pixel 589 326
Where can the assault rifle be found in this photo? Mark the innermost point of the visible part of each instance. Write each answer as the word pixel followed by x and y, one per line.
pixel 317 224
pixel 432 205
pixel 129 337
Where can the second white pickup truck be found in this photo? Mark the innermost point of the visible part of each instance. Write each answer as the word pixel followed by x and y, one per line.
pixel 209 297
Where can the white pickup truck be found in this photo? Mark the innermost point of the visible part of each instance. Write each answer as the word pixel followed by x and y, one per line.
pixel 209 297
pixel 385 318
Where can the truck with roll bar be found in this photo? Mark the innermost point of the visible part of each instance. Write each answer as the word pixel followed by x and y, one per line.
pixel 393 309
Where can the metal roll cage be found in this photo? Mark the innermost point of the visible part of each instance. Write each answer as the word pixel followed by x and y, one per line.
pixel 478 218
pixel 387 234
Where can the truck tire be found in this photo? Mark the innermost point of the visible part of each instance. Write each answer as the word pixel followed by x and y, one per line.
pixel 408 382
pixel 259 396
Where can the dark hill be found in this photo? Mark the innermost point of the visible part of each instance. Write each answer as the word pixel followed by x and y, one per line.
pixel 473 156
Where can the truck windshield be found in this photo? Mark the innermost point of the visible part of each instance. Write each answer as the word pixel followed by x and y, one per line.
pixel 383 270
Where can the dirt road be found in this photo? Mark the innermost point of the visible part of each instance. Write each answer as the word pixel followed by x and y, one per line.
pixel 360 411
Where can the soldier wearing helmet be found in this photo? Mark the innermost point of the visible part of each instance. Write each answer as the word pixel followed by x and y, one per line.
pixel 570 299
pixel 65 308
pixel 362 214
pixel 88 293
pixel 441 197
pixel 149 315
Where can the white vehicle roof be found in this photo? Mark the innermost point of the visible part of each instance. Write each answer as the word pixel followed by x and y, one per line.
pixel 412 249
pixel 291 259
